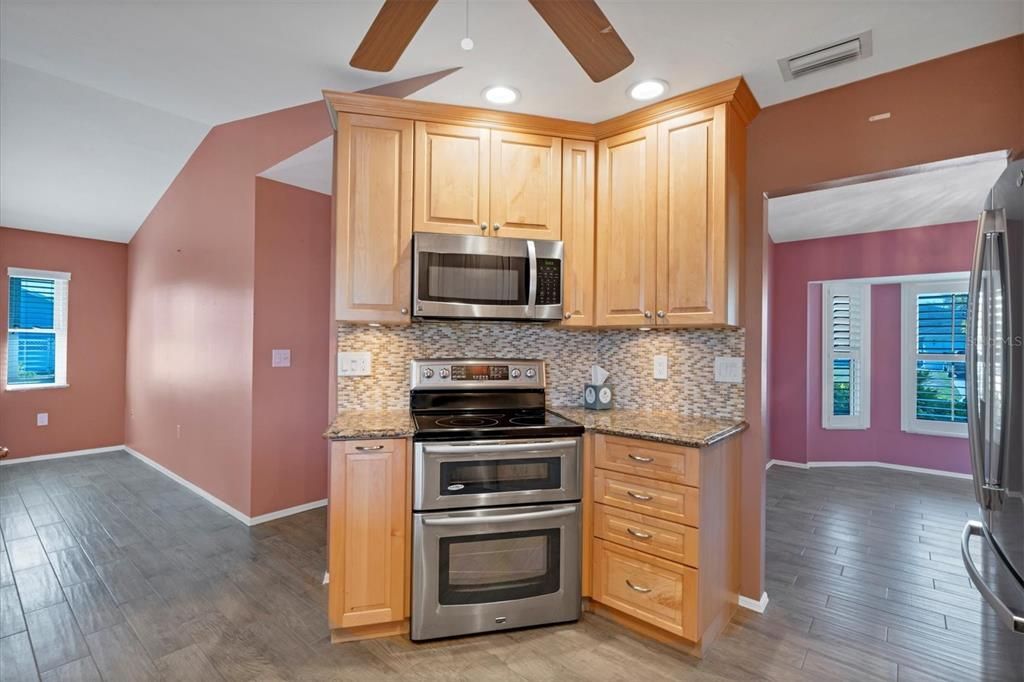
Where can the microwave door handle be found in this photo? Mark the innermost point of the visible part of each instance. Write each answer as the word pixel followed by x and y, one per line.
pixel 531 302
pixel 503 518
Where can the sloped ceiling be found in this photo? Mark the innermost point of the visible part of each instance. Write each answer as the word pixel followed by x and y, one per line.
pixel 154 76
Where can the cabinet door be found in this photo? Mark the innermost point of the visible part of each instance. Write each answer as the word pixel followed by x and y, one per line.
pixel 526 185
pixel 452 179
pixel 626 228
pixel 692 278
pixel 368 537
pixel 373 218
pixel 578 233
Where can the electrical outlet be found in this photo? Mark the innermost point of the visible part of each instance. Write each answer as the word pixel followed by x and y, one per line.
pixel 281 357
pixel 355 364
pixel 42 418
pixel 729 370
pixel 661 367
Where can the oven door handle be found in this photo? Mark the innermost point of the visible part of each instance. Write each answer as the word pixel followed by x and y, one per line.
pixel 503 518
pixel 498 448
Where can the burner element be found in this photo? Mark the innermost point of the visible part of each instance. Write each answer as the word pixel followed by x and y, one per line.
pixel 532 420
pixel 482 420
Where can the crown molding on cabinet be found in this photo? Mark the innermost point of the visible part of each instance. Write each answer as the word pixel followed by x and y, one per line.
pixel 734 91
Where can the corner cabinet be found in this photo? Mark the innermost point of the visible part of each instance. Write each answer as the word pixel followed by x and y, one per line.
pixel 368 526
pixel 373 218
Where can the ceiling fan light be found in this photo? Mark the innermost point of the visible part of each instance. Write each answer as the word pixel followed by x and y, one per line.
pixel 500 94
pixel 648 89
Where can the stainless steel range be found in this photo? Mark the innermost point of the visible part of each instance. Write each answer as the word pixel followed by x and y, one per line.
pixel 496 491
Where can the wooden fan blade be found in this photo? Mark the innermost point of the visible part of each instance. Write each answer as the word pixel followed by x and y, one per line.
pixel 390 33
pixel 587 34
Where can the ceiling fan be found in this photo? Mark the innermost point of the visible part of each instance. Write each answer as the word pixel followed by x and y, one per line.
pixel 579 24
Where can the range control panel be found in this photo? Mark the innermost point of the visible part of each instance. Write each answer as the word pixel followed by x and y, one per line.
pixel 468 374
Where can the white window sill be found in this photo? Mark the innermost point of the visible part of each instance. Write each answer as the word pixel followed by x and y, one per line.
pixel 34 387
pixel 923 431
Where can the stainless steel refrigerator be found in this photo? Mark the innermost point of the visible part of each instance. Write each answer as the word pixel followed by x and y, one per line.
pixel 995 395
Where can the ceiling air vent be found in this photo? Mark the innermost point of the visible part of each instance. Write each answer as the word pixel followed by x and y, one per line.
pixel 825 56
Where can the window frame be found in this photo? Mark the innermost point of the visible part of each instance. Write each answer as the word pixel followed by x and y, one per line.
pixel 909 356
pixel 62 288
pixel 860 421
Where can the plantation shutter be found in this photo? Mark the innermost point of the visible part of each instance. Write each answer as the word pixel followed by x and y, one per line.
pixel 845 371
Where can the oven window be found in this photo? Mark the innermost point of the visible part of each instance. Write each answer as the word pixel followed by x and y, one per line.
pixel 500 475
pixel 476 279
pixel 478 569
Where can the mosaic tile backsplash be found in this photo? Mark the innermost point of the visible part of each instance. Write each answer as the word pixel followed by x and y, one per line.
pixel 628 355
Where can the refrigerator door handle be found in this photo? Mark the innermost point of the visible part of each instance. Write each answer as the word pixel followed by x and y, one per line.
pixel 1014 621
pixel 974 330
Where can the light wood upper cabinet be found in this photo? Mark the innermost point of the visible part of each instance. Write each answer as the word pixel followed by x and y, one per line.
pixel 453 187
pixel 578 181
pixel 691 219
pixel 369 536
pixel 526 185
pixel 627 228
pixel 373 218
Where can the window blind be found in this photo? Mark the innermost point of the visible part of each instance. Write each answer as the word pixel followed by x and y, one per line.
pixel 941 373
pixel 37 327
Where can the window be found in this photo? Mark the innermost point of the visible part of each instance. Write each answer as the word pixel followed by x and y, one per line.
pixel 846 356
pixel 37 328
pixel 934 382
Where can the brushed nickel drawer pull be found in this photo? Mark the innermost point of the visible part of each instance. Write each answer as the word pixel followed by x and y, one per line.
pixel 369 447
pixel 641 590
pixel 638 496
pixel 639 534
pixel 641 459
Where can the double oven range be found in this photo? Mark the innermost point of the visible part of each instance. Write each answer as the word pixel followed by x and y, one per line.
pixel 496 500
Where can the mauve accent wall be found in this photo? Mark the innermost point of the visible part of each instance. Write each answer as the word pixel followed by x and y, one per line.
pixel 191 277
pixel 292 310
pixel 964 103
pixel 795 390
pixel 89 413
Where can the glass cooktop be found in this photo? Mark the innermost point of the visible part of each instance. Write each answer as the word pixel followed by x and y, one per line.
pixel 479 424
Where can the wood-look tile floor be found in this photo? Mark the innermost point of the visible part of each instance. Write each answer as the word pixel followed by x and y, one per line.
pixel 112 571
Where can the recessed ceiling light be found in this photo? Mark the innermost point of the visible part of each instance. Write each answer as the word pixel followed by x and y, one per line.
pixel 648 89
pixel 499 94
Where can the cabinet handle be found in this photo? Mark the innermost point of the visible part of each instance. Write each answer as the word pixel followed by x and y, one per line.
pixel 496 227
pixel 661 313
pixel 638 458
pixel 641 590
pixel 405 311
pixel 483 227
pixel 638 496
pixel 567 315
pixel 639 534
pixel 369 447
pixel 647 314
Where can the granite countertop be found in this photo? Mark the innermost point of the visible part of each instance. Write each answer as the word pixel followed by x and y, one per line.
pixel 661 426
pixel 368 424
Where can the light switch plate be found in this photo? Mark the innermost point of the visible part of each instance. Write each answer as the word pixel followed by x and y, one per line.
pixel 729 370
pixel 42 418
pixel 661 367
pixel 281 357
pixel 355 364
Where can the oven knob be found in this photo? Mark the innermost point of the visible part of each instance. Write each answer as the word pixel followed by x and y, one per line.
pixel 515 373
pixel 443 372
pixel 530 373
pixel 427 372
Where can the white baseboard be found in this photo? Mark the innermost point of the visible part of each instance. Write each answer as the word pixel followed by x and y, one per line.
pixel 883 465
pixel 758 606
pixel 61 455
pixel 219 503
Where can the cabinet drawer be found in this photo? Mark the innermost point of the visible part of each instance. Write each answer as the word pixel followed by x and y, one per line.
pixel 670 463
pixel 668 501
pixel 368 446
pixel 665 539
pixel 658 592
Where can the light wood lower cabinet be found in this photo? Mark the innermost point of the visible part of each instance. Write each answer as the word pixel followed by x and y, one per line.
pixel 369 537
pixel 665 556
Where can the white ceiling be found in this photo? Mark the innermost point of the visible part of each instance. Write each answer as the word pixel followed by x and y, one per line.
pixel 309 169
pixel 946 192
pixel 188 65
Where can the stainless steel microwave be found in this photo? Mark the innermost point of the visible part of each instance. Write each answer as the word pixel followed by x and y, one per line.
pixel 489 278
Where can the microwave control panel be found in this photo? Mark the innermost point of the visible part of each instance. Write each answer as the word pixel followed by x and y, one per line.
pixel 549 281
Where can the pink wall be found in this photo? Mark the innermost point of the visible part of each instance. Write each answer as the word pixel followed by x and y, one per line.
pixel 90 412
pixel 292 299
pixel 191 277
pixel 795 392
